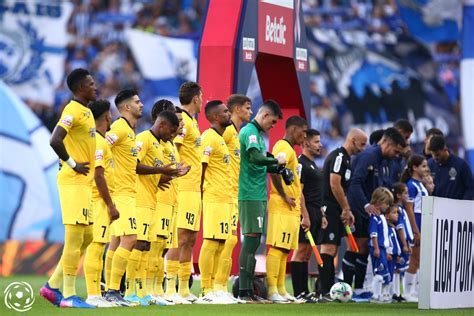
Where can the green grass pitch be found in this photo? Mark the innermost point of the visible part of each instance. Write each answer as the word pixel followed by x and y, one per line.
pixel 44 308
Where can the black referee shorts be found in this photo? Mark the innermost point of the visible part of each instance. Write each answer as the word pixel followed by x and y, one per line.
pixel 361 225
pixel 315 228
pixel 335 229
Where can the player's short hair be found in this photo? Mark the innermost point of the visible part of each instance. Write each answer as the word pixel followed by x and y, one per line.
pixel 273 106
pixel 311 132
pixel 123 95
pixel 376 136
pixel 75 78
pixel 403 125
pixel 178 110
pixel 237 100
pixel 170 117
pixel 382 195
pixel 211 106
pixel 99 107
pixel 160 106
pixel 437 143
pixel 295 120
pixel 393 135
pixel 188 91
pixel 433 131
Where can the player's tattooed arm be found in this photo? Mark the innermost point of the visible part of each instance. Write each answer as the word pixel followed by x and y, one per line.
pixel 276 180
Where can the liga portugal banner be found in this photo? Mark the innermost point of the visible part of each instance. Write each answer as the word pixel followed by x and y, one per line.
pixel 447 262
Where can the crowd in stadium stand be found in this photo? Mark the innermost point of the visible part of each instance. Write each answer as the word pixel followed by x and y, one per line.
pixel 96 32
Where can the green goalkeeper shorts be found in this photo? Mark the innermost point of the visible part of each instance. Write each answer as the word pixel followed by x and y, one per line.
pixel 252 216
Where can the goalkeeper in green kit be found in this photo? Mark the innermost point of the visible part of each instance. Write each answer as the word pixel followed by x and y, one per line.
pixel 254 165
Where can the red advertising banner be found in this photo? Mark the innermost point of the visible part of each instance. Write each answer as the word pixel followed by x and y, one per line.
pixel 275 28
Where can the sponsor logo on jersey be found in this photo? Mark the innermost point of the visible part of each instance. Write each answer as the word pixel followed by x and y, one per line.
pixel 338 163
pixel 99 154
pixel 207 151
pixel 347 176
pixel 67 120
pixel 253 139
pixel 111 138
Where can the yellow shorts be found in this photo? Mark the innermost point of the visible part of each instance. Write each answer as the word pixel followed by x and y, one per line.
pixel 126 224
pixel 283 230
pixel 162 217
pixel 143 222
pixel 234 220
pixel 216 220
pixel 189 210
pixel 101 226
pixel 76 204
pixel 172 241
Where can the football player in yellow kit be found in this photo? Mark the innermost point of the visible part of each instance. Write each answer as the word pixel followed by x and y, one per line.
pixel 217 200
pixel 73 140
pixel 152 172
pixel 121 254
pixel 189 195
pixel 103 208
pixel 240 107
pixel 286 210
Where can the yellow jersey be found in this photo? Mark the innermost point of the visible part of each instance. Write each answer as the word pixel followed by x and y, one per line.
pixel 231 138
pixel 282 148
pixel 79 124
pixel 104 159
pixel 190 152
pixel 121 138
pixel 170 154
pixel 150 153
pixel 216 179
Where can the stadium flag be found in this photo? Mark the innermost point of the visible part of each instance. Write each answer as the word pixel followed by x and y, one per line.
pixel 33 36
pixel 28 167
pixel 164 62
pixel 432 21
pixel 467 77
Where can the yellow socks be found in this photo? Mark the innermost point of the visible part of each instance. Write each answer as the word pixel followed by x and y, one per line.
pixel 73 240
pixel 224 264
pixel 172 267
pixel 108 267
pixel 56 279
pixel 93 267
pixel 119 264
pixel 206 264
pixel 184 273
pixel 141 275
pixel 273 268
pixel 160 268
pixel 152 267
pixel 131 271
pixel 282 274
pixel 160 273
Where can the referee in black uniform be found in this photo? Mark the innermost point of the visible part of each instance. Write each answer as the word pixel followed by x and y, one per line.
pixel 311 183
pixel 336 179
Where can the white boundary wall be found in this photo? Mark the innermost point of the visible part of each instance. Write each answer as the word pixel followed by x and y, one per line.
pixel 447 254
